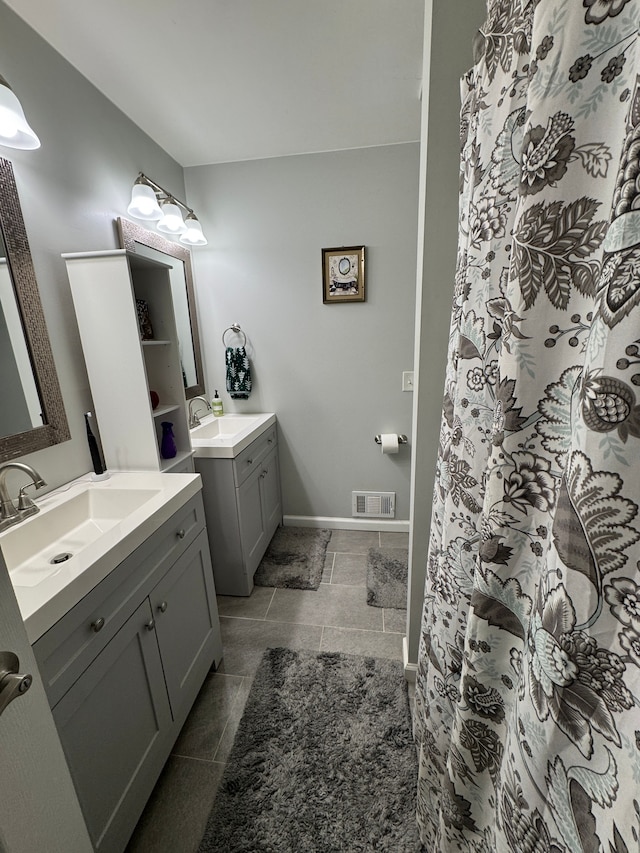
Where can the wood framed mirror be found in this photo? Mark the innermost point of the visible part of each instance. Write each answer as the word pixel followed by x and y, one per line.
pixel 135 238
pixel 32 414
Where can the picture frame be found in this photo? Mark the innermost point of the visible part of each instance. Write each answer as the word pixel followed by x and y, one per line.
pixel 343 274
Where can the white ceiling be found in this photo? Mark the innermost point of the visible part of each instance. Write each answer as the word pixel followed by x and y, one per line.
pixel 220 80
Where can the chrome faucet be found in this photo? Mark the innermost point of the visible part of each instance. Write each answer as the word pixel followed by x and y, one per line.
pixel 194 420
pixel 9 513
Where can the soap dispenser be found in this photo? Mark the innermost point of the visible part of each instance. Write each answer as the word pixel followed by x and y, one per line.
pixel 216 405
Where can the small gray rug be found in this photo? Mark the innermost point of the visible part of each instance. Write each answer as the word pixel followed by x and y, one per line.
pixel 294 558
pixel 387 570
pixel 323 761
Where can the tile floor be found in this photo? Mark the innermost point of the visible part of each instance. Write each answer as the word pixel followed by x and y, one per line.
pixel 335 617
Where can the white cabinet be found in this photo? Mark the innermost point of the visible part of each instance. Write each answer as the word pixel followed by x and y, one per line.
pixel 123 369
pixel 243 509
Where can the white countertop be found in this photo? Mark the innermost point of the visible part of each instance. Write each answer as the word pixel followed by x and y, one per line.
pixel 228 444
pixel 44 603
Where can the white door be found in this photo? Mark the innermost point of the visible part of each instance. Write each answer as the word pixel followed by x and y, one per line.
pixel 39 811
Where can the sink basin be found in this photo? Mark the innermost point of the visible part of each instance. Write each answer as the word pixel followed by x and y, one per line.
pixel 227 436
pixel 47 542
pixel 227 426
pixel 90 527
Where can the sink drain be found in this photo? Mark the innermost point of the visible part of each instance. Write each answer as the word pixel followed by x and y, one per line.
pixel 61 558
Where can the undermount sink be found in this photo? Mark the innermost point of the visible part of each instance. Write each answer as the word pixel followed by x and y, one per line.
pixel 228 435
pixel 42 546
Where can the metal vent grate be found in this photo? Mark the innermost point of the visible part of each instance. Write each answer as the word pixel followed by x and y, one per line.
pixel 373 504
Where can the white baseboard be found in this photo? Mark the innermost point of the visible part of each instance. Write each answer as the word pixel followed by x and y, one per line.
pixel 394 526
pixel 410 669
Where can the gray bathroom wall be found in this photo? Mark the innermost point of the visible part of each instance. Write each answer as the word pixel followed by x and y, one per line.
pixel 332 373
pixel 71 190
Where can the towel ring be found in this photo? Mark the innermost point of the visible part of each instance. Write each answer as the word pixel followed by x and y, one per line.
pixel 235 327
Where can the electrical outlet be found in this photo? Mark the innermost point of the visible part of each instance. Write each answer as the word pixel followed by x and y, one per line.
pixel 407 380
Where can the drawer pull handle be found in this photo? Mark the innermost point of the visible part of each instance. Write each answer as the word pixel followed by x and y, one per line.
pixel 151 624
pixel 249 461
pixel 181 533
pixel 269 441
pixel 162 606
pixel 98 625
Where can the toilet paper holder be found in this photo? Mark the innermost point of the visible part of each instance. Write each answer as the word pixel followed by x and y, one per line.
pixel 402 439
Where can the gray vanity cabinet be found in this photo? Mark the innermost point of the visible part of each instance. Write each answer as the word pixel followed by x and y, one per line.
pixel 124 666
pixel 243 509
pixel 112 724
pixel 186 621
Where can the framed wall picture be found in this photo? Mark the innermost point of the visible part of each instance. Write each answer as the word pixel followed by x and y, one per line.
pixel 343 274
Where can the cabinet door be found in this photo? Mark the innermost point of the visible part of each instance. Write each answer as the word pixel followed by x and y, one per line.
pixel 187 625
pixel 111 723
pixel 270 494
pixel 252 523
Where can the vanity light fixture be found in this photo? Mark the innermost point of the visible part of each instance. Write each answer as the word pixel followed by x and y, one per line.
pixel 15 131
pixel 152 203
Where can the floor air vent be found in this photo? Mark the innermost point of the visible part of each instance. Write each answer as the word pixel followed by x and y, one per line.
pixel 373 504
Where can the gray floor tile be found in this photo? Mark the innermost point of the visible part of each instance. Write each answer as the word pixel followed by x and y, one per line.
pixel 339 606
pixel 371 643
pixel 234 718
pixel 354 541
pixel 202 732
pixel 395 621
pixel 254 606
pixel 176 815
pixel 328 567
pixel 394 540
pixel 350 569
pixel 244 641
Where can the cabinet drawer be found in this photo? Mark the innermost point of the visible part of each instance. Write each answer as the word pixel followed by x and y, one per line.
pixel 67 649
pixel 247 461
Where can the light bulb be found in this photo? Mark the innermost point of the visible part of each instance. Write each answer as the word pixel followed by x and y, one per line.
pixel 14 127
pixel 171 222
pixel 144 204
pixel 193 236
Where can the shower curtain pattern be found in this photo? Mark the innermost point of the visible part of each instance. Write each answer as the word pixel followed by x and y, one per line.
pixel 528 690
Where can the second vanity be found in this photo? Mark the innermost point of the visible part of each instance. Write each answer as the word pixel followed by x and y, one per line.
pixel 124 630
pixel 237 457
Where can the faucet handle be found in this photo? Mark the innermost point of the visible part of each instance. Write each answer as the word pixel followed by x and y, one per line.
pixel 24 501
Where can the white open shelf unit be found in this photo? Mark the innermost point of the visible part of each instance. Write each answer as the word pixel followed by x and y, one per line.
pixel 122 368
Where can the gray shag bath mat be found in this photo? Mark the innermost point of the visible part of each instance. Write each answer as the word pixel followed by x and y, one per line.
pixel 387 570
pixel 323 761
pixel 294 558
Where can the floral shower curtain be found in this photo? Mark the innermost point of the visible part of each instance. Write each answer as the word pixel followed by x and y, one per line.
pixel 527 707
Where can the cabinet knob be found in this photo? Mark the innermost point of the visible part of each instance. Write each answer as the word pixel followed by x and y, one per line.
pixel 181 533
pixel 162 606
pixel 151 624
pixel 98 625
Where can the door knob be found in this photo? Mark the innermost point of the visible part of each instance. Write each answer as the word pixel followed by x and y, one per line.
pixel 12 684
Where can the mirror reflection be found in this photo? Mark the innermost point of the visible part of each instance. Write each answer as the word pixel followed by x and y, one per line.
pixel 136 239
pixel 21 408
pixel 32 413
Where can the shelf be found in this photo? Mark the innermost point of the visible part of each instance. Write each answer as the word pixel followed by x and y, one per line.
pixel 155 343
pixel 166 465
pixel 163 410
